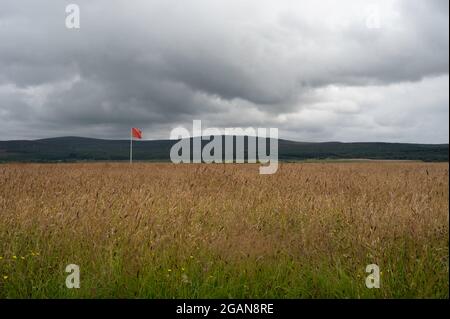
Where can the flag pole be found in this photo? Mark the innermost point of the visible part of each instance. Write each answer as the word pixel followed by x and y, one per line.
pixel 131 146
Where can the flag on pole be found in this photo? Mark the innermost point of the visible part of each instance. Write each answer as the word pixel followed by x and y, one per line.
pixel 135 133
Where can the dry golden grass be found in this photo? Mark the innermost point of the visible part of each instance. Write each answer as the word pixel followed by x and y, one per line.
pixel 166 230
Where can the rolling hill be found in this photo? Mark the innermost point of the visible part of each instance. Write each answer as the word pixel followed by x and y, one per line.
pixel 81 149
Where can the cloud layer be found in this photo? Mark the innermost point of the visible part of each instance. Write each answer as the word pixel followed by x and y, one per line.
pixel 347 70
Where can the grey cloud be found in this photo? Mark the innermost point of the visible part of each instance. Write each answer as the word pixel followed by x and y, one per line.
pixel 158 64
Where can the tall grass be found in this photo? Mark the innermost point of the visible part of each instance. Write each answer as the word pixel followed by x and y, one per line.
pixel 201 231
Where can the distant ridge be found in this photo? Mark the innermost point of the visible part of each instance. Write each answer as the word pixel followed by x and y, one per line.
pixel 73 148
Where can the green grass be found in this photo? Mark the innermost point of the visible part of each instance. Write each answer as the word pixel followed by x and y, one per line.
pixel 160 274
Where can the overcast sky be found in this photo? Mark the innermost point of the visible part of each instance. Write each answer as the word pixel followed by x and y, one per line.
pixel 346 70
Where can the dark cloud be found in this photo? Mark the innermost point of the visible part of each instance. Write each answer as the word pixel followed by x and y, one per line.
pixel 315 71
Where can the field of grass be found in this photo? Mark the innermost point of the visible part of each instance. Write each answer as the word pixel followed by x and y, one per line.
pixel 203 231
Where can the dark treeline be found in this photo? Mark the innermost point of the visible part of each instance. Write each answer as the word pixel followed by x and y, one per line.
pixel 72 149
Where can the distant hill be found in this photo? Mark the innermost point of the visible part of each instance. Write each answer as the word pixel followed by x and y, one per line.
pixel 78 149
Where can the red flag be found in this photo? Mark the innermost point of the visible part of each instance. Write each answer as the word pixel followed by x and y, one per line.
pixel 137 133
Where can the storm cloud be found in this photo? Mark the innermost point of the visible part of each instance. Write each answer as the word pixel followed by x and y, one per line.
pixel 317 70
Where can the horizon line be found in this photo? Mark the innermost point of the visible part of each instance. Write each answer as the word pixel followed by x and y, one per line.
pixel 154 140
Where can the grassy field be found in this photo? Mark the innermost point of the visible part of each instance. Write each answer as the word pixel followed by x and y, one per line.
pixel 201 231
